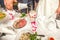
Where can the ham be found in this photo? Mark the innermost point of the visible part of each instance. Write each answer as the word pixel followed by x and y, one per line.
pixel 20 23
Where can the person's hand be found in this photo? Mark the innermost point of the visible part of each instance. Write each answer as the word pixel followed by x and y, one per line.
pixel 58 10
pixel 58 13
pixel 8 4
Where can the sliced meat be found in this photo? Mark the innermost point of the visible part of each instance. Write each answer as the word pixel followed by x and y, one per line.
pixel 20 23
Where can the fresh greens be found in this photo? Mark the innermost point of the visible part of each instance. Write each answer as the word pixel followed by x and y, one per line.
pixel 23 15
pixel 34 36
pixel 29 36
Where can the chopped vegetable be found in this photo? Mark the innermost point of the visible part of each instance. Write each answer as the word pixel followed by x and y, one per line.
pixel 29 36
pixel 51 38
pixel 2 15
pixel 33 36
pixel 23 15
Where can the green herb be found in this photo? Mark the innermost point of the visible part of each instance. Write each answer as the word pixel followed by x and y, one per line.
pixel 33 36
pixel 40 38
pixel 23 15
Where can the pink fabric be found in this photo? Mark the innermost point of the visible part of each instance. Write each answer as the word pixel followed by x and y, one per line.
pixel 34 26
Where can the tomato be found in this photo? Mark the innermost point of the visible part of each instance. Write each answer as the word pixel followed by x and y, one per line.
pixel 51 38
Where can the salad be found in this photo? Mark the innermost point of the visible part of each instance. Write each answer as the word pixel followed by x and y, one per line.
pixel 2 15
pixel 29 36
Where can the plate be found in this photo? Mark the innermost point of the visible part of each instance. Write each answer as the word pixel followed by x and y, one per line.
pixel 21 32
pixel 6 19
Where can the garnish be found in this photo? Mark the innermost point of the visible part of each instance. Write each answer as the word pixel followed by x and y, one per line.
pixel 2 15
pixel 51 38
pixel 34 36
pixel 23 15
pixel 29 36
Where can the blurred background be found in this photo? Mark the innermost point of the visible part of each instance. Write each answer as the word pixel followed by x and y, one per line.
pixel 30 3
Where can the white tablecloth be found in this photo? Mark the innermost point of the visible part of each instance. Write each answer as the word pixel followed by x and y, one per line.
pixel 44 27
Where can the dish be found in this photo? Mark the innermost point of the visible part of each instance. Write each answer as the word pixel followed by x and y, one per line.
pixel 2 15
pixel 27 35
pixel 19 23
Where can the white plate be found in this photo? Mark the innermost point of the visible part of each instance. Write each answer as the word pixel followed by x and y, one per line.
pixel 21 32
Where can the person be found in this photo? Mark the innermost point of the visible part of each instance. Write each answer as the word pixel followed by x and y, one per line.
pixel 36 4
pixel 22 2
pixel 58 12
pixel 58 9
pixel 9 8
pixel 2 3
pixel 30 3
pixel 9 4
pixel 46 16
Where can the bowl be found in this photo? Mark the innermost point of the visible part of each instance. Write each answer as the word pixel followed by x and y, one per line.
pixel 19 34
pixel 3 17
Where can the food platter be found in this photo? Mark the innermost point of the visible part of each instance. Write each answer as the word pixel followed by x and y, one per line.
pixel 21 32
pixel 4 17
pixel 19 23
